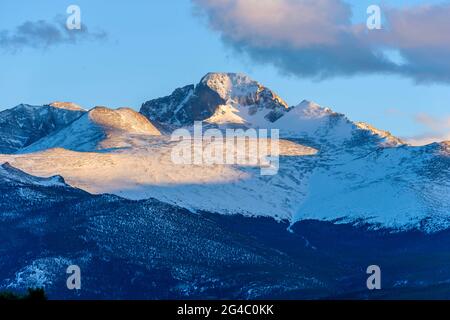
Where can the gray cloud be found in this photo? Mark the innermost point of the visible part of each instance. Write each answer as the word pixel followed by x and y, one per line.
pixel 43 34
pixel 316 38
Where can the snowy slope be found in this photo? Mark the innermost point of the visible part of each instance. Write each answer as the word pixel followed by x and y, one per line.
pixel 330 168
pixel 149 172
pixel 12 176
pixel 330 130
pixel 100 128
pixel 153 250
pixel 25 124
pixel 404 187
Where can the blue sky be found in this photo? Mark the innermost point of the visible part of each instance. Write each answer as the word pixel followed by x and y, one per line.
pixel 152 47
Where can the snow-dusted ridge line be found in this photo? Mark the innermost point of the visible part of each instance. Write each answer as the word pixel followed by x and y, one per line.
pixel 14 175
pixel 67 106
pixel 99 129
pixel 26 124
pixel 356 172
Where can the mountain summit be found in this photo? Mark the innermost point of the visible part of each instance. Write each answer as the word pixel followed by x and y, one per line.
pixel 218 98
pixel 234 99
pixel 355 172
pixel 101 190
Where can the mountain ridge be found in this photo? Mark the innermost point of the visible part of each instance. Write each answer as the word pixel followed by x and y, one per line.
pixel 100 189
pixel 201 102
pixel 330 168
pixel 26 124
pixel 10 174
pixel 98 129
pixel 148 249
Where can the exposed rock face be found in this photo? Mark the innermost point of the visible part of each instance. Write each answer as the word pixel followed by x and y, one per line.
pixel 26 124
pixel 184 106
pixel 206 99
pixel 445 146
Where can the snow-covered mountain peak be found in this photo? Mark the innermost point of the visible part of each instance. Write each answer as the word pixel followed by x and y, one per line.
pixel 116 151
pixel 390 139
pixel 24 107
pixel 312 110
pixel 245 101
pixel 66 106
pixel 236 100
pixel 230 85
pixel 327 128
pixel 310 121
pixel 240 88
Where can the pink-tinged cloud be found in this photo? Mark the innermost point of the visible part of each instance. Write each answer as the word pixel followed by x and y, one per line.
pixel 426 139
pixel 316 38
pixel 432 123
pixel 418 27
pixel 438 130
pixel 273 23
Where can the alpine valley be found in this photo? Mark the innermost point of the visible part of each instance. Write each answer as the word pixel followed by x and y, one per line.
pixel 98 188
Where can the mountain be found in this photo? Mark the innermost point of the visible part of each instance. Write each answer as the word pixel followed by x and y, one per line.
pixel 219 98
pixel 131 249
pixel 100 189
pixel 100 128
pixel 148 249
pixel 235 100
pixel 25 124
pixel 330 168
pixel 330 130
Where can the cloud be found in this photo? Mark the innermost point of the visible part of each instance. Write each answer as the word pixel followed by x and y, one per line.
pixel 317 38
pixel 43 34
pixel 425 139
pixel 438 130
pixel 434 124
